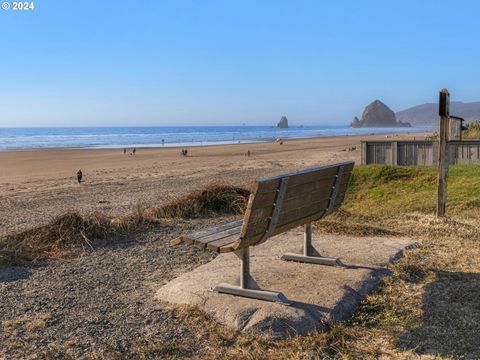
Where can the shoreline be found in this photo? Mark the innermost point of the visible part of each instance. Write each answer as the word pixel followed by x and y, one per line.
pixel 211 144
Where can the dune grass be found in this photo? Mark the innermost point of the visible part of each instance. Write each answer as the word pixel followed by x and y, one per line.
pixel 73 231
pixel 67 233
pixel 386 190
pixel 213 200
pixel 472 132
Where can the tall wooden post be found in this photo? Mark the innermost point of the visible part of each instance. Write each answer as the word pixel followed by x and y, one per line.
pixel 444 112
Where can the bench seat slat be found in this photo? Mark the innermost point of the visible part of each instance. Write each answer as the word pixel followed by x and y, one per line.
pixel 226 248
pixel 204 241
pixel 190 238
pixel 225 242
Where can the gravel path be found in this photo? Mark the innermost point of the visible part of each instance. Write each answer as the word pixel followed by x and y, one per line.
pixel 100 304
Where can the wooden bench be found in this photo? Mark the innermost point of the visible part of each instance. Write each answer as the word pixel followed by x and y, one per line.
pixel 276 205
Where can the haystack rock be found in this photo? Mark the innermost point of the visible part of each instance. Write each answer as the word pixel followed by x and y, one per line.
pixel 377 114
pixel 355 122
pixel 283 123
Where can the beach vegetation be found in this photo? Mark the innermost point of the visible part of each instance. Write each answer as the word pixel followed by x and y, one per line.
pixel 472 132
pixel 74 231
pixel 213 200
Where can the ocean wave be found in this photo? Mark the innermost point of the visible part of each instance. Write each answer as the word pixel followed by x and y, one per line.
pixel 115 137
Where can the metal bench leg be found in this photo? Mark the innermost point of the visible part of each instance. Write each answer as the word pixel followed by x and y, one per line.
pixel 245 289
pixel 308 256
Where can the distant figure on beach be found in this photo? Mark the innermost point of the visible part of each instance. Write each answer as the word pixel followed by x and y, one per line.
pixel 134 151
pixel 248 153
pixel 163 142
pixel 124 151
pixel 186 152
pixel 79 176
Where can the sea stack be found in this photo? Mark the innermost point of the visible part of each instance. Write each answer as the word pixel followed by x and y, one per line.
pixel 355 122
pixel 283 123
pixel 377 114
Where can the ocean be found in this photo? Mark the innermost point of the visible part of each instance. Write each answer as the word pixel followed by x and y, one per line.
pixel 168 136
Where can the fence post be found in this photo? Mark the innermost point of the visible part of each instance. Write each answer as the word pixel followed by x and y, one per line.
pixel 444 112
pixel 364 152
pixel 394 153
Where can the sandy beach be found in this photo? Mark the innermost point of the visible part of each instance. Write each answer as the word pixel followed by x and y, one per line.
pixel 38 185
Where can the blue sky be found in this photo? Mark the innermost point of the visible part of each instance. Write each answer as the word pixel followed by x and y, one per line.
pixel 84 63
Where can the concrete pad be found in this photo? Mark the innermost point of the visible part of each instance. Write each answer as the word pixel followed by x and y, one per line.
pixel 322 295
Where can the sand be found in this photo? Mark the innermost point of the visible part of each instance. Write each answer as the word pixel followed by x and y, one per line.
pixel 37 185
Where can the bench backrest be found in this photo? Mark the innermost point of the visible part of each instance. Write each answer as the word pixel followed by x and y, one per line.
pixel 280 203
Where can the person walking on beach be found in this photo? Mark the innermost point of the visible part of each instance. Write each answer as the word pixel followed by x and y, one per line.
pixel 124 151
pixel 248 153
pixel 79 176
pixel 134 151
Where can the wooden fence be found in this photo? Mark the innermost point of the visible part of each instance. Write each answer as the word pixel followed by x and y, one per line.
pixel 419 152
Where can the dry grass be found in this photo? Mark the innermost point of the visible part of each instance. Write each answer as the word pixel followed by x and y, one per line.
pixel 472 132
pixel 213 200
pixel 73 231
pixel 68 232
